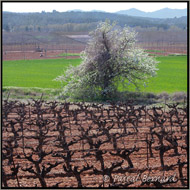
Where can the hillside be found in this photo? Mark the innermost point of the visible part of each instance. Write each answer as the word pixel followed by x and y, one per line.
pixel 80 21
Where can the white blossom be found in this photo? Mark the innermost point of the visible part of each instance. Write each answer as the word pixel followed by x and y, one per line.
pixel 110 56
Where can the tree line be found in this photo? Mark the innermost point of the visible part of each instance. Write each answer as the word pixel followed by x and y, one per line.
pixel 80 21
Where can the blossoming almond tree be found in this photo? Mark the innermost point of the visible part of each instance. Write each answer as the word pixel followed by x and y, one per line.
pixel 110 57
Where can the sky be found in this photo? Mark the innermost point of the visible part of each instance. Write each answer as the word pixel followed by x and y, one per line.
pixel 107 7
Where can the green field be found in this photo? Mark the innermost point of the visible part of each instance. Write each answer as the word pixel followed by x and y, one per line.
pixel 171 77
pixel 35 73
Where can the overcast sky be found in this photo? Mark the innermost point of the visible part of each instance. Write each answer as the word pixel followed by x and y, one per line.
pixel 108 7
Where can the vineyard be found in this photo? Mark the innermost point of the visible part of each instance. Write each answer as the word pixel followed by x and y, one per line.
pixel 53 144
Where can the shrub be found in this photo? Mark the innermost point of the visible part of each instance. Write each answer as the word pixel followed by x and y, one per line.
pixel 179 96
pixel 164 96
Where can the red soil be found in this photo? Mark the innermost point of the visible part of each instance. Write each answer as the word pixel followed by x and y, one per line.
pixel 80 158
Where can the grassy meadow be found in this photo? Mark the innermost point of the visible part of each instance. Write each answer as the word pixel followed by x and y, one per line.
pixel 35 73
pixel 171 76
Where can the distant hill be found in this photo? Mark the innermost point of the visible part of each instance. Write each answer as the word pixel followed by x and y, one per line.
pixel 162 13
pixel 132 12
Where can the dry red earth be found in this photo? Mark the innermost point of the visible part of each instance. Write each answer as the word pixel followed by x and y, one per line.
pixel 93 135
pixel 28 55
pixel 15 53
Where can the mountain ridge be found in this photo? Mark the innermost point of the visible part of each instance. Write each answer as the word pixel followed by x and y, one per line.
pixel 162 13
